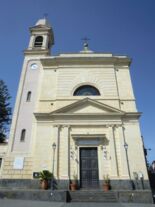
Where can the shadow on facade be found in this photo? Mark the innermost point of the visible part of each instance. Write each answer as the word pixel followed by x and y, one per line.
pixel 152 183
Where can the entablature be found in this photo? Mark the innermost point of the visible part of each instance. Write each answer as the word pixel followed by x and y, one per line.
pixel 90 59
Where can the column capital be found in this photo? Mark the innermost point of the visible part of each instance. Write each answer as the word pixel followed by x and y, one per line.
pixel 113 125
pixel 67 126
pixel 58 126
pixel 123 127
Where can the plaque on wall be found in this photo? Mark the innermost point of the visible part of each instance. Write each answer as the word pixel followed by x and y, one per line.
pixel 18 163
pixel 35 174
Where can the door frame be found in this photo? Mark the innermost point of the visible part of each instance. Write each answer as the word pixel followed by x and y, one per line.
pixel 79 151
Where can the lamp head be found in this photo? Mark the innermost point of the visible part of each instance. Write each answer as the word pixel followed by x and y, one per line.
pixel 125 145
pixel 53 145
pixel 140 175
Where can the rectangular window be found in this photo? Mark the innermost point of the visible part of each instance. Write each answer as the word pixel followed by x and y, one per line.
pixel 0 162
pixel 22 137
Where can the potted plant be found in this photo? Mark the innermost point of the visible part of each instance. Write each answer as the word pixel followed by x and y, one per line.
pixel 45 176
pixel 73 185
pixel 106 184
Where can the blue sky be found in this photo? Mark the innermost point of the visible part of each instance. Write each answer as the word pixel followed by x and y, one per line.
pixel 117 26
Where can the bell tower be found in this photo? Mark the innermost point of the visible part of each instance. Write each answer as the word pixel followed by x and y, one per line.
pixel 41 40
pixel 40 43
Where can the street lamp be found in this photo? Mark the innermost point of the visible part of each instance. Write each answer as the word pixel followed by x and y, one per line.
pixel 127 160
pixel 52 180
pixel 126 146
pixel 54 146
pixel 141 176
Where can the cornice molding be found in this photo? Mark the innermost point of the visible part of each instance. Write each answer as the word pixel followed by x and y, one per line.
pixel 83 60
pixel 86 116
pixel 36 52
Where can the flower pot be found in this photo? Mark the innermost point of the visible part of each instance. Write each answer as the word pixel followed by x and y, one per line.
pixel 73 186
pixel 44 184
pixel 106 187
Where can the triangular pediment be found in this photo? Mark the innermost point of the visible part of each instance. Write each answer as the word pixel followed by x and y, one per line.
pixel 87 106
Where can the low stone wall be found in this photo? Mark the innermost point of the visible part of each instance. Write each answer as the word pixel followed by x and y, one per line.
pixel 30 189
pixel 129 184
pixel 115 184
pixel 137 196
pixel 41 195
pixel 20 183
pixel 64 184
pixel 65 196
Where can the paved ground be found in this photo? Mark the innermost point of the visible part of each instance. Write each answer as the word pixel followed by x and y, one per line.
pixel 27 203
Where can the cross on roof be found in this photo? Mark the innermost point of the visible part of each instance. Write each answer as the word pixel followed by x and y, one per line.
pixel 85 45
pixel 85 39
pixel 45 15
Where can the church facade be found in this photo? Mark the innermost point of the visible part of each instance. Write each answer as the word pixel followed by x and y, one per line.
pixel 75 115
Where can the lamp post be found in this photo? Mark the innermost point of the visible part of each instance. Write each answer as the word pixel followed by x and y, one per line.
pixel 52 180
pixel 141 179
pixel 127 160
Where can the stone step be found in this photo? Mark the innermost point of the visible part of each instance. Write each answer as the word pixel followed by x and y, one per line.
pixel 93 196
pixel 140 196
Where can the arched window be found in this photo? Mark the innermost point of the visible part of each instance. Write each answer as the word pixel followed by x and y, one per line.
pixel 28 98
pixel 23 133
pixel 38 41
pixel 86 90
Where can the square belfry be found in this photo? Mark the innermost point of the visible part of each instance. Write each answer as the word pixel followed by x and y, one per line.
pixel 75 115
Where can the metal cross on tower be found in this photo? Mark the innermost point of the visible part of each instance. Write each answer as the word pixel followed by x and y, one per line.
pixel 45 15
pixel 85 39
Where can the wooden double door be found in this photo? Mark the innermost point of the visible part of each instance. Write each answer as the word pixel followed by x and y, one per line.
pixel 89 167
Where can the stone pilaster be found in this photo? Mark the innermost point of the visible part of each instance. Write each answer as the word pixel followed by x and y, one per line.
pixel 113 155
pixel 124 167
pixel 55 155
pixel 66 158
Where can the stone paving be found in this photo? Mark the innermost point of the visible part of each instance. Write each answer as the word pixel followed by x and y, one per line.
pixel 28 203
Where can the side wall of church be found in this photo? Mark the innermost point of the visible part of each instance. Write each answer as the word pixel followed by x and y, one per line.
pixel 10 173
pixel 135 148
pixel 23 113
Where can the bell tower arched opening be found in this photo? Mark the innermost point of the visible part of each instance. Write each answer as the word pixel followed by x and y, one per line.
pixel 38 41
